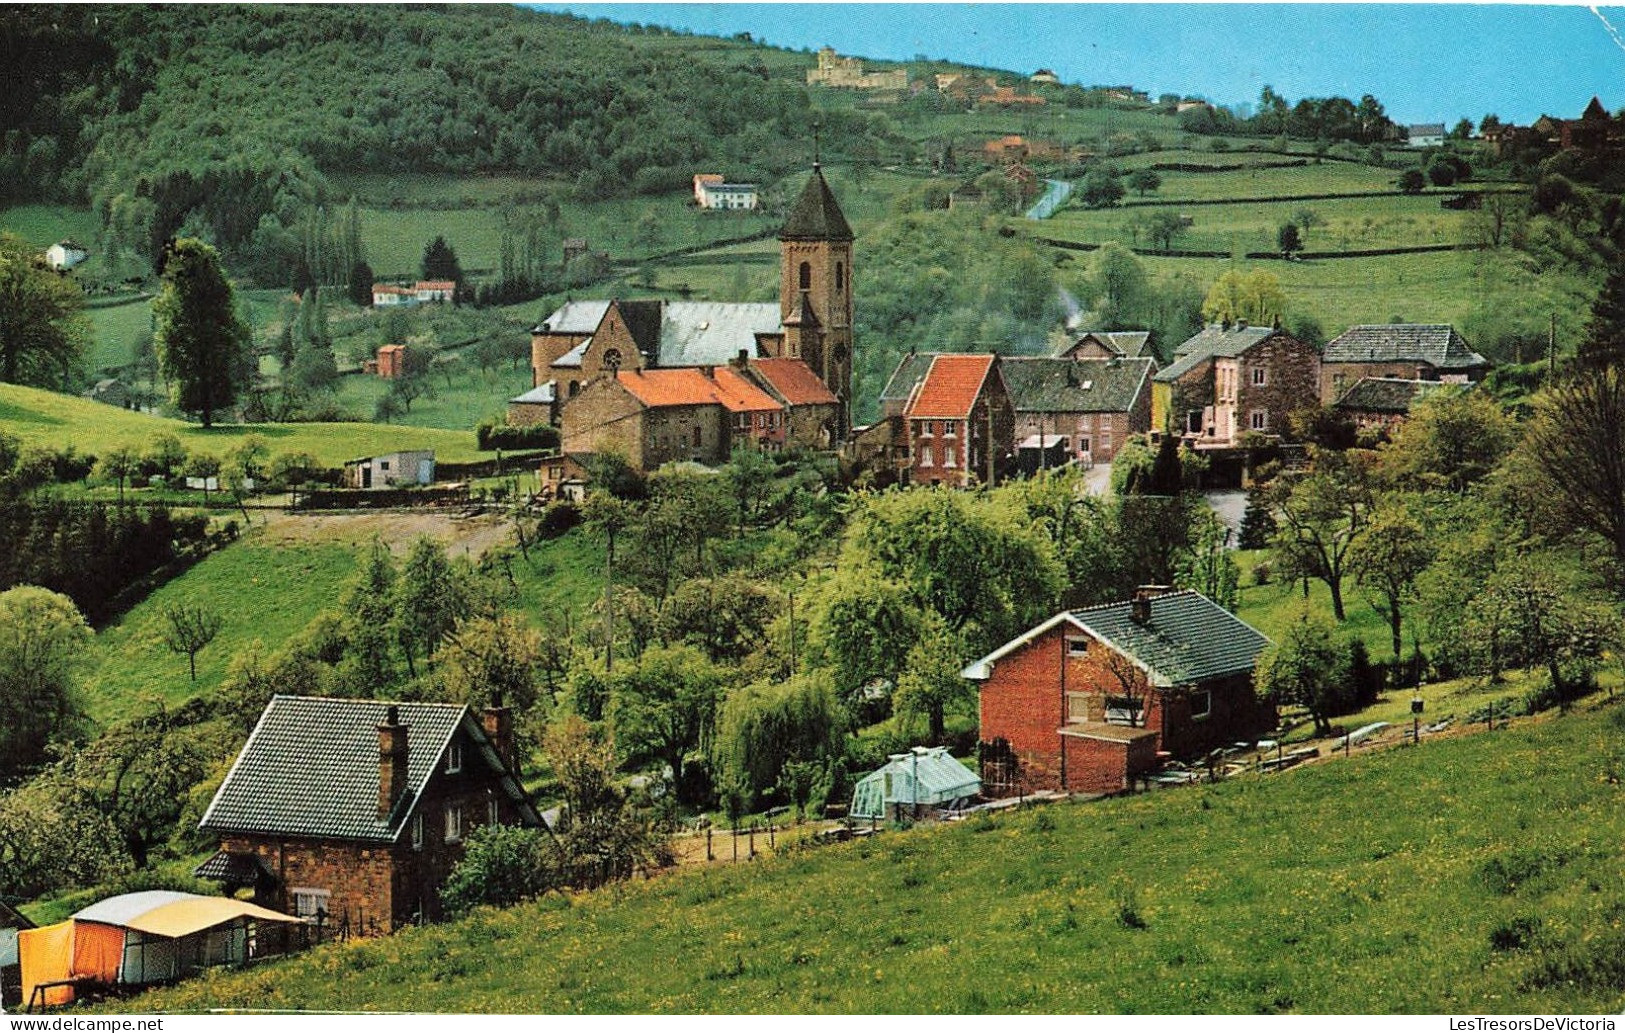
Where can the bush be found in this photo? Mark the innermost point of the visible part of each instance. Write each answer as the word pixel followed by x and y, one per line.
pixel 558 518
pixel 492 436
pixel 501 866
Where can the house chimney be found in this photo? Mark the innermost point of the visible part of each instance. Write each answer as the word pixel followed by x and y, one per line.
pixel 392 758
pixel 743 359
pixel 497 720
pixel 1140 608
pixel 708 372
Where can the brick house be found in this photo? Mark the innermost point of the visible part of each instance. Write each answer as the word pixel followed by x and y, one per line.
pixel 1229 380
pixel 1384 403
pixel 1093 404
pixel 1090 699
pixel 356 810
pixel 655 416
pixel 391 361
pixel 1400 351
pixel 958 423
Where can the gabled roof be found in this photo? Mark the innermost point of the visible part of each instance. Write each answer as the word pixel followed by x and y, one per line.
pixel 310 769
pixel 911 369
pixel 1436 344
pixel 816 214
pixel 951 386
pixel 539 395
pixel 1390 394
pixel 736 393
pixel 1127 343
pixel 1214 342
pixel 1074 385
pixel 573 317
pixel 712 333
pixel 643 318
pixel 661 388
pixel 1189 638
pixel 794 381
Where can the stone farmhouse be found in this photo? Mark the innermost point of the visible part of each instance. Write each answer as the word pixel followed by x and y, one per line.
pixel 1233 379
pixel 1093 404
pixel 1092 700
pixel 1401 351
pixel 353 812
pixel 1383 403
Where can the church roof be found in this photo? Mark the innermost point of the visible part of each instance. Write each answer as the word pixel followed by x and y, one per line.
pixel 816 215
pixel 573 317
pixel 661 388
pixel 712 333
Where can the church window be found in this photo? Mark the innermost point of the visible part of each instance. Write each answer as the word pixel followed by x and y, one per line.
pixel 840 276
pixel 806 276
pixel 612 359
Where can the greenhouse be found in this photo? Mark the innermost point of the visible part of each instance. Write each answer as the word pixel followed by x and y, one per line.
pixel 925 777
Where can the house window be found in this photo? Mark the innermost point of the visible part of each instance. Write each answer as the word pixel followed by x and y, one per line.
pixel 1259 377
pixel 1077 646
pixel 454 823
pixel 417 831
pixel 925 454
pixel 1123 710
pixel 311 904
pixel 575 388
pixel 1077 707
pixel 1260 420
pixel 948 456
pixel 1106 441
pixel 454 758
pixel 927 428
pixel 493 811
pixel 950 428
pixel 555 472
pixel 1201 704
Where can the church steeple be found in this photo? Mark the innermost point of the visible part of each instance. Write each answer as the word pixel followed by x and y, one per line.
pixel 815 288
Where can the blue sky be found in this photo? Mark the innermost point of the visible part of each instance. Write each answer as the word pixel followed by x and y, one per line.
pixel 1426 62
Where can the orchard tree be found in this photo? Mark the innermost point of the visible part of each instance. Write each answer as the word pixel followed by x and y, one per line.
pixel 1412 181
pixel 1387 559
pixel 202 345
pixel 665 704
pixel 43 329
pixel 1165 227
pixel 1318 519
pixel 1305 667
pixel 138 776
pixel 930 684
pixel 41 637
pixel 1289 240
pixel 1452 440
pixel 1144 181
pixel 1102 189
pixel 1577 438
pixel 188 629
pixel 430 597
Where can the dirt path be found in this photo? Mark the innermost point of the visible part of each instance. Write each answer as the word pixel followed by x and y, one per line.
pixel 472 536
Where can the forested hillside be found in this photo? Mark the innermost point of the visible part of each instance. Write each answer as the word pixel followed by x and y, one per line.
pixel 225 119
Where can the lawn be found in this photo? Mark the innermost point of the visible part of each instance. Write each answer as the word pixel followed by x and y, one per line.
pixel 116 330
pixel 44 224
pixel 1331 177
pixel 52 420
pixel 1476 874
pixel 469 397
pixel 260 592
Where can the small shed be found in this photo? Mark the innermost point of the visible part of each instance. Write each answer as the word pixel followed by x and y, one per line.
pixel 925 777
pixel 537 406
pixel 390 470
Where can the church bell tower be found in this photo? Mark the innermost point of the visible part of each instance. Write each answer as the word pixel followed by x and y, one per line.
pixel 815 291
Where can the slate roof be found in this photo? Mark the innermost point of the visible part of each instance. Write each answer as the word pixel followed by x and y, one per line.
pixel 712 333
pixel 1437 345
pixel 794 381
pixel 1127 343
pixel 573 317
pixel 951 385
pixel 816 215
pixel 911 369
pixel 310 768
pixel 1389 394
pixel 1212 342
pixel 542 394
pixel 1188 639
pixel 1074 385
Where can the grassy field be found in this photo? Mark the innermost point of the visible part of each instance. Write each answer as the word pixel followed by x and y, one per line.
pixel 1379 883
pixel 1332 177
pixel 48 419
pixel 1344 225
pixel 44 224
pixel 260 592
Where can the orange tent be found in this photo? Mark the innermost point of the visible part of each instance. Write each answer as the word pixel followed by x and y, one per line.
pixel 46 955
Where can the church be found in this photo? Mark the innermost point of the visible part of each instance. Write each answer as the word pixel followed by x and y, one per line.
pixel 659 381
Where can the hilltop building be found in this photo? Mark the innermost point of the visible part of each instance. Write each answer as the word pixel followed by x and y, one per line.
pixel 847 73
pixel 712 193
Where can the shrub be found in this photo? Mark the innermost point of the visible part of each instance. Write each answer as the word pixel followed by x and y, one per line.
pixel 558 518
pixel 492 436
pixel 502 865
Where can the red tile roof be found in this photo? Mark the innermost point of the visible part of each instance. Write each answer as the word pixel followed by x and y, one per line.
pixel 951 385
pixel 435 285
pixel 660 388
pixel 795 381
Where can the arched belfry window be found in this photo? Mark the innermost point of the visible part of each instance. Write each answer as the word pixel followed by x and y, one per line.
pixel 806 276
pixel 840 276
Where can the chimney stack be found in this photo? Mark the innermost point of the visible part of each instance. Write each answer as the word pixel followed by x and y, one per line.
pixel 392 762
pixel 497 720
pixel 1140 608
pixel 743 359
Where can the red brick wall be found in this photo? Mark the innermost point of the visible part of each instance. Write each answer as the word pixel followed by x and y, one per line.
pixel 1103 766
pixel 1292 382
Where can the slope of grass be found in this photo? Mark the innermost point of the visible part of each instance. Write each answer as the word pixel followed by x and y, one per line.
pixel 1475 874
pixel 259 591
pixel 52 420
pixel 44 224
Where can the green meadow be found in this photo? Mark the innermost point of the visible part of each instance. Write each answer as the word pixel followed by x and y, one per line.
pixel 1478 873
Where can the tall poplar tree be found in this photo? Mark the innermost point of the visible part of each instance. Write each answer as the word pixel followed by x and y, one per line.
pixel 201 343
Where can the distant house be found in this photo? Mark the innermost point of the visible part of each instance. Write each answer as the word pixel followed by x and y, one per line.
pixel 1087 700
pixel 1427 134
pixel 1044 77
pixel 391 470
pixel 573 248
pixel 391 361
pixel 387 294
pixel 847 73
pixel 1592 130
pixel 703 180
pixel 1386 402
pixel 1005 148
pixel 434 290
pixel 1190 105
pixel 721 196
pixel 1234 379
pixel 353 812
pixel 1090 406
pixel 112 391
pixel 564 476
pixel 64 255
pixel 958 423
pixel 1401 351
pixel 1025 179
pixel 1106 344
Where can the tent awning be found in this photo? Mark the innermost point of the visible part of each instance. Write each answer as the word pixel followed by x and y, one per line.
pixel 185 917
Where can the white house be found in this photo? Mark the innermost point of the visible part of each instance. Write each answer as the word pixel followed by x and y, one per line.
pixel 385 294
pixel 1430 134
pixel 727 196
pixel 395 468
pixel 65 254
pixel 434 290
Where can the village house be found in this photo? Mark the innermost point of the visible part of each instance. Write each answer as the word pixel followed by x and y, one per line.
pixel 392 469
pixel 1233 379
pixel 1044 77
pixel 650 417
pixel 1593 130
pixel 391 361
pixel 1429 134
pixel 563 475
pixel 810 407
pixel 958 423
pixel 539 405
pixel 713 194
pixel 583 341
pixel 425 291
pixel 1088 406
pixel 1383 403
pixel 1091 700
pixel 65 254
pixel 1106 344
pixel 385 295
pixel 353 812
pixel 1401 351
pixel 1006 97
